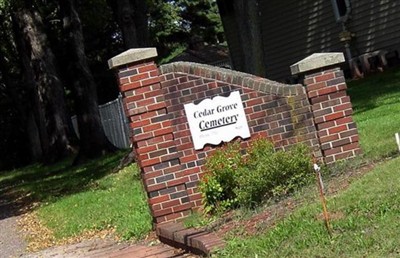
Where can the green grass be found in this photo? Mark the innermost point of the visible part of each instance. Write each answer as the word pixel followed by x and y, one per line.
pixel 376 104
pixel 86 197
pixel 117 201
pixel 367 224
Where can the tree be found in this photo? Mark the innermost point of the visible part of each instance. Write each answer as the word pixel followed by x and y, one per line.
pixel 93 141
pixel 243 16
pixel 44 87
pixel 131 16
pixel 174 23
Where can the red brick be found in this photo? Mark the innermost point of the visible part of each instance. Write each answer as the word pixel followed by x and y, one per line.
pixel 150 175
pixel 195 197
pixel 318 99
pixel 137 111
pixel 156 187
pixel 341 142
pixel 152 127
pixel 337 95
pixel 170 157
pixel 162 212
pixel 143 136
pixel 324 77
pixel 156 106
pixel 342 86
pixel 139 77
pixel 170 203
pixel 173 170
pixel 133 98
pixel 163 131
pixel 351 146
pixel 160 220
pixel 329 138
pixel 167 123
pixel 344 120
pixel 145 102
pixel 315 86
pixel 174 216
pixel 146 149
pixel 332 151
pixel 182 207
pixel 154 74
pixel 142 90
pixel 342 107
pixel 334 116
pixel 253 102
pixel 337 129
pixel 147 68
pixel 156 207
pixel 325 125
pixel 139 123
pixel 129 86
pixel 153 93
pixel 309 81
pixel 355 138
pixel 123 81
pixel 150 81
pixel 167 144
pixel 344 155
pixel 139 64
pixel 257 115
pixel 159 199
pixel 150 162
pixel 326 91
pixel 188 158
pixel 178 181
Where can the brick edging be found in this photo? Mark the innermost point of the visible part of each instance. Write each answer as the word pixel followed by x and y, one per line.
pixel 234 77
pixel 194 240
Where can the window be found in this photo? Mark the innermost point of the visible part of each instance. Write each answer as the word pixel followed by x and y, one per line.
pixel 342 9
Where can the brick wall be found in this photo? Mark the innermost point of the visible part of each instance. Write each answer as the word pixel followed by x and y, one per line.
pixel 333 114
pixel 318 115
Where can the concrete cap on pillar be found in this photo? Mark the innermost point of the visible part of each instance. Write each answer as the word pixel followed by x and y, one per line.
pixel 316 61
pixel 132 55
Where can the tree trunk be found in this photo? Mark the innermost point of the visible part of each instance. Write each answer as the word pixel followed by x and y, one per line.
pixel 93 141
pixel 44 86
pixel 131 16
pixel 241 21
pixel 26 115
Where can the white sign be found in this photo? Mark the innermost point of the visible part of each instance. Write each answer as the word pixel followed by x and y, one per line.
pixel 216 120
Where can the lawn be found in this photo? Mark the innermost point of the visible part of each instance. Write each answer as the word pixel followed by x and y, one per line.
pixel 366 224
pixel 73 200
pixel 376 104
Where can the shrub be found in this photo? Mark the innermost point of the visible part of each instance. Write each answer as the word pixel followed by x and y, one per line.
pixel 220 180
pixel 272 173
pixel 234 179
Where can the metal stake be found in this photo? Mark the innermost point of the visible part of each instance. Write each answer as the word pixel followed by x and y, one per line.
pixel 317 170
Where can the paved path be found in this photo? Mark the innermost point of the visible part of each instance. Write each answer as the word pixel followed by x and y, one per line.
pixel 107 248
pixel 12 243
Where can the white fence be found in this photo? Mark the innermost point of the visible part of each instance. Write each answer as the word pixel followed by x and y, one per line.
pixel 114 123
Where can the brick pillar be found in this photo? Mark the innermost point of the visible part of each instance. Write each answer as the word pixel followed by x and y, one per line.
pixel 331 106
pixel 152 133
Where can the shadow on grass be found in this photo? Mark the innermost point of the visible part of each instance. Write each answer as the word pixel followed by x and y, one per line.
pixel 38 183
pixel 367 93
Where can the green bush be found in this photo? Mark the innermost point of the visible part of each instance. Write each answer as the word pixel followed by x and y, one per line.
pixel 233 179
pixel 218 185
pixel 272 173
